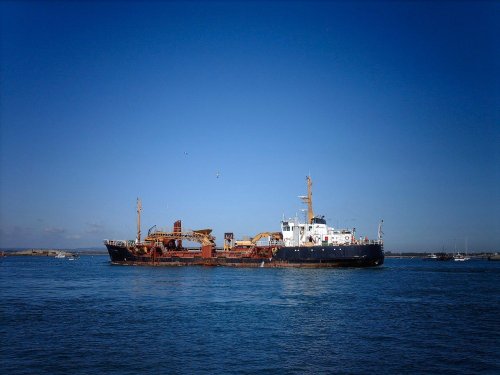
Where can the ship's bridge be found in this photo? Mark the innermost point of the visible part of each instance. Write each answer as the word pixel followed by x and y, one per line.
pixel 316 233
pixel 318 220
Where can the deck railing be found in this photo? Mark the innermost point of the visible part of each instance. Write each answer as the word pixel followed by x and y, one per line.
pixel 119 243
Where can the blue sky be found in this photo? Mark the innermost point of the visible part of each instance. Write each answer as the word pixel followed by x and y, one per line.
pixel 392 107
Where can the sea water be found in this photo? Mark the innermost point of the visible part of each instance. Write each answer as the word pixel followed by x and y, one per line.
pixel 88 316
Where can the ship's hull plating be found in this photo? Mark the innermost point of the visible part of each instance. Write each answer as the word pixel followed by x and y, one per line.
pixel 315 257
pixel 369 255
pixel 121 255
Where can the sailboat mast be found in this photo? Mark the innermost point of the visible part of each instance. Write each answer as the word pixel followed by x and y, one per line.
pixel 139 209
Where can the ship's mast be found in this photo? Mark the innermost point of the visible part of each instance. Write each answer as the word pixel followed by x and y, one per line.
pixel 380 232
pixel 308 200
pixel 139 209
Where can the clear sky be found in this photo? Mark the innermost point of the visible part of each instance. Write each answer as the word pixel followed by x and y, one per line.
pixel 392 107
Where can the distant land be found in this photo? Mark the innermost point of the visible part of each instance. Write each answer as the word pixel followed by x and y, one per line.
pixel 81 251
pixel 395 254
pixel 54 248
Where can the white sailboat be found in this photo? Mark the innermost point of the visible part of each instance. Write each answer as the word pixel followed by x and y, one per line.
pixel 460 257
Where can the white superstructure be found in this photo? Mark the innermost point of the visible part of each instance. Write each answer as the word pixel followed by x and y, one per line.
pixel 315 231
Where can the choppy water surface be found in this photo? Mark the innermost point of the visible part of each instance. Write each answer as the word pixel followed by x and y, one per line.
pixel 87 316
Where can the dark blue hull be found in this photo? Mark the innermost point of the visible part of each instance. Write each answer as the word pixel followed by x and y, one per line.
pixel 120 254
pixel 341 256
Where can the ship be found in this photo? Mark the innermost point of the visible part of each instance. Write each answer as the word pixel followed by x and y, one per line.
pixel 315 243
pixel 311 244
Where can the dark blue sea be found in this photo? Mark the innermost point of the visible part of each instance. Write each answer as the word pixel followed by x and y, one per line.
pixel 89 317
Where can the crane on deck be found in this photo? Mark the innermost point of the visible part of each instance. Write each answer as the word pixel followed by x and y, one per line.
pixel 273 236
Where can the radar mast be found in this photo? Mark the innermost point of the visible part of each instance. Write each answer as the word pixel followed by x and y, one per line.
pixel 308 200
pixel 380 232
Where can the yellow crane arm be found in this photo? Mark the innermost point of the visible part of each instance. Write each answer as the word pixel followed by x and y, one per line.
pixel 274 235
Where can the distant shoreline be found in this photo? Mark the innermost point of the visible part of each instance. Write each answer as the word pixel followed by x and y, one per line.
pixel 50 252
pixel 423 256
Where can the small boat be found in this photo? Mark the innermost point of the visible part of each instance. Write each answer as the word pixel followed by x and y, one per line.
pixel 431 257
pixel 60 255
pixel 460 257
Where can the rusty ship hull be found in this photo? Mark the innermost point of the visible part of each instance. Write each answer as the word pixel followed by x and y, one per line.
pixel 206 256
